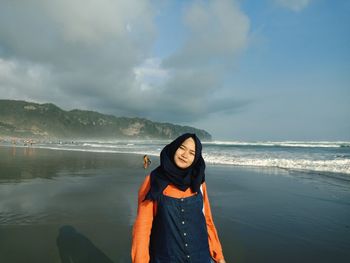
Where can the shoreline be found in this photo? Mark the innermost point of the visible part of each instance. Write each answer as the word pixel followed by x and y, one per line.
pixel 340 176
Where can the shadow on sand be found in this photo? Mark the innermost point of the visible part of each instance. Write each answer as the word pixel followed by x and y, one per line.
pixel 76 248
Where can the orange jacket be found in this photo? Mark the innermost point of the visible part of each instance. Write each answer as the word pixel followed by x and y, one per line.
pixel 147 210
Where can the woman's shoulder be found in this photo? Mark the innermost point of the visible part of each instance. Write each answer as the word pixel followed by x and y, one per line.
pixel 146 183
pixel 147 177
pixel 144 188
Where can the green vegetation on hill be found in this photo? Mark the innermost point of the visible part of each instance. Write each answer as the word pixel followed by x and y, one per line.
pixel 27 119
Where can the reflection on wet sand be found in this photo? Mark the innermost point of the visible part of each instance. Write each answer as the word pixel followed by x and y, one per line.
pixel 61 206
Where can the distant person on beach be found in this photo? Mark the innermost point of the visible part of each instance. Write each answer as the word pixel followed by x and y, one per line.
pixel 174 221
pixel 146 161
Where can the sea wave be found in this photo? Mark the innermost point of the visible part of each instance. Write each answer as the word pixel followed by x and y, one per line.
pixel 341 165
pixel 332 160
pixel 304 144
pixel 332 166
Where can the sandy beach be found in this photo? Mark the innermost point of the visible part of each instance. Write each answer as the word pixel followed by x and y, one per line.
pixel 56 202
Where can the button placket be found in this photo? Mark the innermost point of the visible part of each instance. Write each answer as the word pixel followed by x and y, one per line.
pixel 183 228
pixel 183 216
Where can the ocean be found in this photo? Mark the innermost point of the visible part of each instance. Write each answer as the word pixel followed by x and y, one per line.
pixel 323 157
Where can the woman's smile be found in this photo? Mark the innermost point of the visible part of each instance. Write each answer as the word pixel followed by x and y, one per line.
pixel 183 160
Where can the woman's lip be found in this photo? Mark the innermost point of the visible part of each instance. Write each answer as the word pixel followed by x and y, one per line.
pixel 182 160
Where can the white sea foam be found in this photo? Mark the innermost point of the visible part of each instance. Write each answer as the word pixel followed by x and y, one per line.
pixel 129 151
pixel 96 145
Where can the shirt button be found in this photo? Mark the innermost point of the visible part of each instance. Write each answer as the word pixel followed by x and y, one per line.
pixel 183 222
pixel 182 199
pixel 188 256
pixel 182 210
pixel 186 245
pixel 185 234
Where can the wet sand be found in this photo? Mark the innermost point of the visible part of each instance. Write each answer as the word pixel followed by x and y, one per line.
pixel 83 204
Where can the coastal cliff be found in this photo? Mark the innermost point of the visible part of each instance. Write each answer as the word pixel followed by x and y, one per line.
pixel 27 119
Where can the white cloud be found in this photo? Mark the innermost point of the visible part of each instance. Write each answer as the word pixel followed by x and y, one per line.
pixel 150 75
pixel 83 50
pixel 98 21
pixel 295 5
pixel 96 55
pixel 20 80
pixel 217 30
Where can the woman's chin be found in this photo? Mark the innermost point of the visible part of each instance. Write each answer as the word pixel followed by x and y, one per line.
pixel 181 164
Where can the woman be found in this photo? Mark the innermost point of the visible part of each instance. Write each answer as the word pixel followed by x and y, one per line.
pixel 174 222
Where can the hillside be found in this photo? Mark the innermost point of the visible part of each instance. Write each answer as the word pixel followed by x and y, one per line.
pixel 26 119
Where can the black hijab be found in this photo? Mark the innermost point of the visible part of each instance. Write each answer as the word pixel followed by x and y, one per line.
pixel 169 173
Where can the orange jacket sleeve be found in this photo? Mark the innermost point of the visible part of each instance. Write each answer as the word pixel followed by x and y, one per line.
pixel 142 226
pixel 213 238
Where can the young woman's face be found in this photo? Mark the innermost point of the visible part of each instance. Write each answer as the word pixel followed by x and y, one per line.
pixel 184 155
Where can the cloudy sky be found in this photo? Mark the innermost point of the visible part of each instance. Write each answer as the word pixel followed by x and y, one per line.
pixel 240 69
